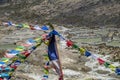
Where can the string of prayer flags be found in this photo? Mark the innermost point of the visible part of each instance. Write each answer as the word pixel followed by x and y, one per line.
pixel 87 54
pixel 10 64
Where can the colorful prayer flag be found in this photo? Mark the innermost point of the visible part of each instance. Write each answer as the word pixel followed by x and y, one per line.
pixel 112 67
pixel 87 54
pixel 46 71
pixel 117 71
pixel 75 46
pixel 69 43
pixel 5 60
pixel 44 28
pixel 100 61
pixel 106 64
pixel 82 50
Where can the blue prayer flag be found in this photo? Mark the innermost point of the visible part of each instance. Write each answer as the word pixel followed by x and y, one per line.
pixel 44 28
pixel 117 71
pixel 14 51
pixel 45 76
pixel 9 23
pixel 87 54
pixel 31 40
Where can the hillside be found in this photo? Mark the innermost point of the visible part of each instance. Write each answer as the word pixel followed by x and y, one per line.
pixel 90 24
pixel 66 12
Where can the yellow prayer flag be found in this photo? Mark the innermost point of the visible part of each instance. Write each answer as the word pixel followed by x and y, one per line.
pixel 82 50
pixel 5 60
pixel 46 42
pixel 26 26
pixel 10 73
pixel 19 49
pixel 112 67
pixel 46 71
pixel 46 58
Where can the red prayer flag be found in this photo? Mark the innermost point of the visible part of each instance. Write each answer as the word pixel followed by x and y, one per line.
pixel 69 43
pixel 1 79
pixel 100 61
pixel 26 53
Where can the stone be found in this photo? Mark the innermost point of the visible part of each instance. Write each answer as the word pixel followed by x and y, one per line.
pixel 102 71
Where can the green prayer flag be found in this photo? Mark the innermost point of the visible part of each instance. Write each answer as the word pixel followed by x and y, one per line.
pixel 75 46
pixel 106 64
pixel 21 56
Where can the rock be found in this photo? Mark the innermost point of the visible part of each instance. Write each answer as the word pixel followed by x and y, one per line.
pixel 114 75
pixel 71 73
pixel 83 59
pixel 102 71
pixel 86 69
pixel 21 77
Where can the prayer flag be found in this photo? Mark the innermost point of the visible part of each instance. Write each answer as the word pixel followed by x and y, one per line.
pixel 87 54
pixel 82 50
pixel 75 46
pixel 117 71
pixel 94 56
pixel 44 28
pixel 46 71
pixel 69 43
pixel 112 67
pixel 106 64
pixel 100 61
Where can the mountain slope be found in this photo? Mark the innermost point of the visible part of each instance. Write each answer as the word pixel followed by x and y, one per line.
pixel 68 12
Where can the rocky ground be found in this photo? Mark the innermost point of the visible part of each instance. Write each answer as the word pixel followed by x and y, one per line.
pixel 89 21
pixel 89 13
pixel 75 66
